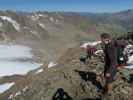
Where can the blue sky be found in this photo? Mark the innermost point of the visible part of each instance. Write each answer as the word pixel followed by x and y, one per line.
pixel 67 5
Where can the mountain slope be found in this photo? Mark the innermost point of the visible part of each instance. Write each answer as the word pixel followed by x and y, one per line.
pixel 50 35
pixel 71 75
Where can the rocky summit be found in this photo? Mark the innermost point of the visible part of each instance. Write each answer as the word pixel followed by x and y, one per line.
pixel 69 78
pixel 54 39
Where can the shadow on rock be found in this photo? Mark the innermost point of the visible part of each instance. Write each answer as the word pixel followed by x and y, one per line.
pixel 90 76
pixel 130 78
pixel 61 95
pixel 93 99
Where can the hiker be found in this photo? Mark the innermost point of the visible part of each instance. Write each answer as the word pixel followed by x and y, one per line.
pixel 90 51
pixel 110 48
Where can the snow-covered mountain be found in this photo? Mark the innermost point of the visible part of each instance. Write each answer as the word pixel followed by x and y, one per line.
pixel 55 39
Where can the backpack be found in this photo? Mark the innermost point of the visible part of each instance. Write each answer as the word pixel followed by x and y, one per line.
pixel 121 57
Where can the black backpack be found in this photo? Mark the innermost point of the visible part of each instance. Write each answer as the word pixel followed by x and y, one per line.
pixel 121 57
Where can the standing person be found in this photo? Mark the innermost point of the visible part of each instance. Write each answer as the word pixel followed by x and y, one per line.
pixel 110 48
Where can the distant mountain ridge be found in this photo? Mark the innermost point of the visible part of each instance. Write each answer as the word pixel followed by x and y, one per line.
pixel 55 39
pixel 52 30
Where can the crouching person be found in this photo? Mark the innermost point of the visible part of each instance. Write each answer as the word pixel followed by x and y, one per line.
pixel 90 51
pixel 87 55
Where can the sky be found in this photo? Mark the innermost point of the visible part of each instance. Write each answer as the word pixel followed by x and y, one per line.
pixel 67 5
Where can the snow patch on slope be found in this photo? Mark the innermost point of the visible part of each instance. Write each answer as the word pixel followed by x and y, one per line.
pixel 5 87
pixel 51 19
pixel 13 96
pixel 36 16
pixel 51 64
pixel 13 22
pixel 40 15
pixel 42 25
pixel 39 71
pixel 10 60
pixel 90 44
pixel 35 33
pixel 9 68
pixel 15 51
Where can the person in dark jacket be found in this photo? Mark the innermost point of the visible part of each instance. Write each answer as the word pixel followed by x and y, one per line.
pixel 110 48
